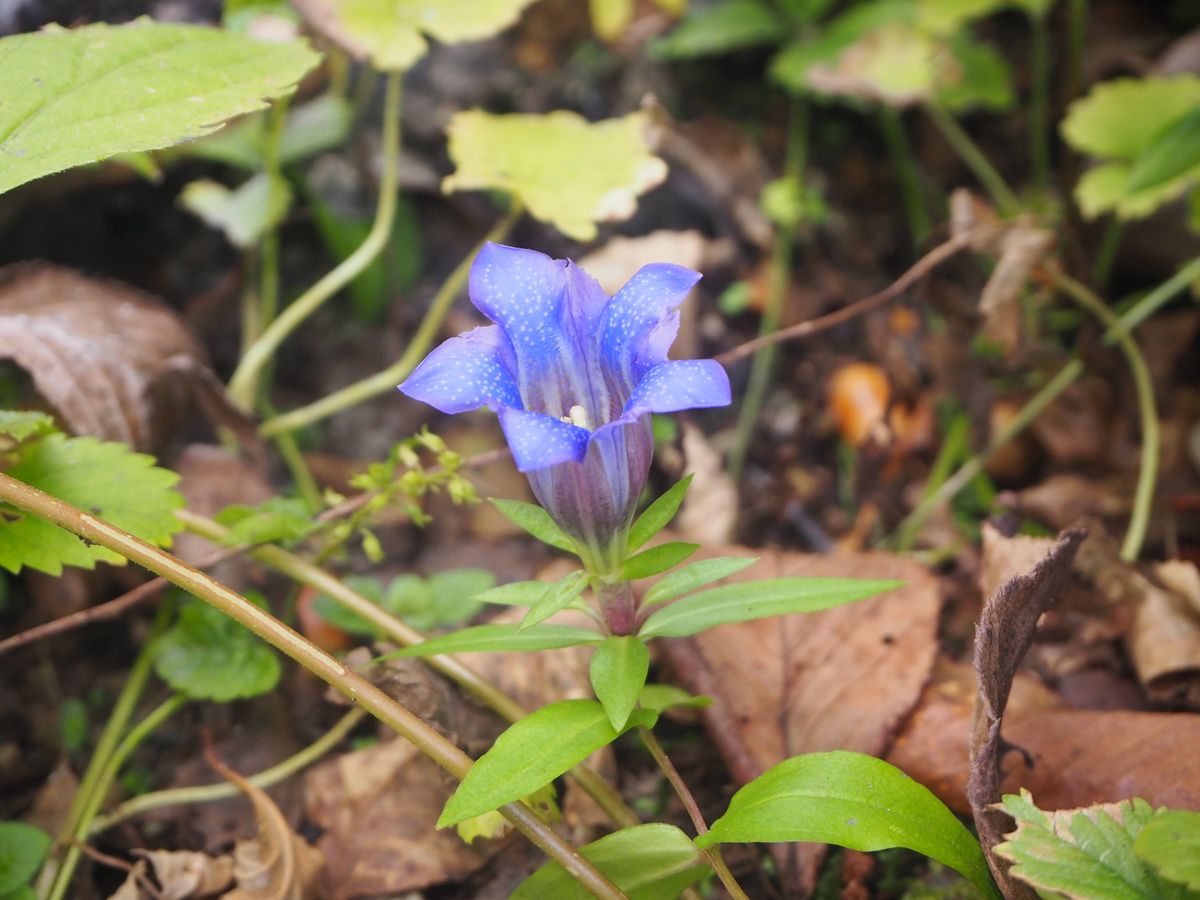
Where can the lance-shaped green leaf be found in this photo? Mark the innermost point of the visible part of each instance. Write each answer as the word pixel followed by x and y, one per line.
pixel 755 600
pixel 501 636
pixel 656 560
pixel 1083 853
pixel 515 593
pixel 658 514
pixel 618 674
pixel 73 97
pixel 391 33
pixel 122 487
pixel 693 576
pixel 1171 843
pixel 658 697
pixel 555 598
pixel 647 862
pixel 536 521
pixel 209 656
pixel 22 848
pixel 564 170
pixel 531 754
pixel 852 800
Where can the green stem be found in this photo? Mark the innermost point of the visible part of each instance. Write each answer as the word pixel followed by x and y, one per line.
pixel 425 738
pixel 1106 253
pixel 302 476
pixel 464 676
pixel 1076 42
pixel 1066 376
pixel 259 354
pixel 108 775
pixel 968 151
pixel 222 790
pixel 110 737
pixel 386 380
pixel 712 854
pixel 1039 101
pixel 1143 498
pixel 763 365
pixel 907 173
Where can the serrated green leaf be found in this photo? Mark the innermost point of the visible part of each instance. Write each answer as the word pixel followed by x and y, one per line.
pixel 208 656
pixel 555 598
pixel 118 485
pixel 501 636
pixel 618 673
pixel 657 560
pixel 659 697
pixel 1169 154
pixel 536 521
pixel 455 596
pixel 1083 853
pixel 1118 118
pixel 722 28
pixel 531 754
pixel 73 97
pixel 1170 842
pixel 565 170
pixel 277 520
pixel 516 593
pixel 1105 188
pixel 391 33
pixel 852 800
pixel 243 214
pixel 22 848
pixel 22 424
pixel 335 614
pixel 658 514
pixel 647 862
pixel 755 600
pixel 695 575
pixel 984 80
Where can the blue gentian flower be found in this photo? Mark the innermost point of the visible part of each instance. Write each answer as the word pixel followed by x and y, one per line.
pixel 574 376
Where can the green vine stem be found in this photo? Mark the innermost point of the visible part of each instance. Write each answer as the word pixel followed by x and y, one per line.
pixel 464 676
pixel 1067 375
pixel 223 789
pixel 763 365
pixel 425 738
pixel 110 737
pixel 907 173
pixel 386 380
pixel 1039 100
pixel 258 355
pixel 108 774
pixel 1143 498
pixel 968 151
pixel 712 854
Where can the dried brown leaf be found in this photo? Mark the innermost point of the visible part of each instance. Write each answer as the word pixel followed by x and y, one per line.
pixel 277 864
pixel 1164 642
pixel 1004 634
pixel 111 361
pixel 183 874
pixel 1022 249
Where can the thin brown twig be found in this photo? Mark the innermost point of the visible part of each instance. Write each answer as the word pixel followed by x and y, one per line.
pixel 919 270
pixel 109 609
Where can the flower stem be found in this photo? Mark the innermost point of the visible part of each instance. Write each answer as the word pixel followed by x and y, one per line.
pixel 110 737
pixel 386 380
pixel 1143 500
pixel 108 774
pixel 224 789
pixel 464 676
pixel 968 151
pixel 712 854
pixel 425 738
pixel 907 173
pixel 242 385
pixel 763 365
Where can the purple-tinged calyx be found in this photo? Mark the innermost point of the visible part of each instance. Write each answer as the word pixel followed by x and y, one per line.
pixel 574 376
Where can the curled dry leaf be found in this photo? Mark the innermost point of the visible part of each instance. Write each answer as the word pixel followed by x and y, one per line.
pixel 1005 631
pixel 112 362
pixel 277 864
pixel 843 678
pixel 1165 640
pixel 182 874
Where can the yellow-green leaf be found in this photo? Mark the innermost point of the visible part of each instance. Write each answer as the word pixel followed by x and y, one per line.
pixel 565 170
pixel 392 33
pixel 1118 118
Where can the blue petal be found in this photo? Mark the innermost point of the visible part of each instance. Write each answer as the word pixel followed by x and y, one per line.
pixel 680 384
pixel 521 291
pixel 466 372
pixel 644 306
pixel 538 441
